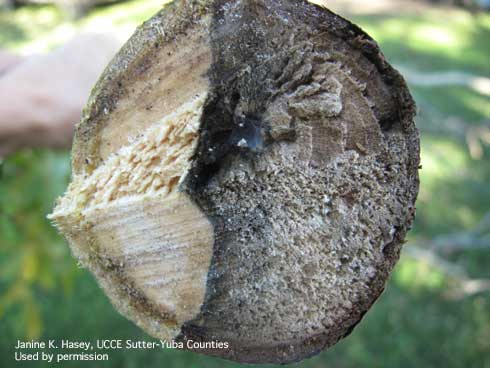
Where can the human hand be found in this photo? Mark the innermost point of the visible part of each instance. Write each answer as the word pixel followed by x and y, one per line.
pixel 8 61
pixel 42 97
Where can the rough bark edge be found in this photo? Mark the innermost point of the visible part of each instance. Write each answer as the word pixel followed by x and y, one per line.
pixel 178 16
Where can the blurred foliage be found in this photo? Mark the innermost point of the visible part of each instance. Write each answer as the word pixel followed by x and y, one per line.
pixel 434 40
pixel 33 256
pixel 32 29
pixel 43 294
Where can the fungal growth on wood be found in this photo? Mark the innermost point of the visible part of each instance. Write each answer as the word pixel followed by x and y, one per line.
pixel 244 172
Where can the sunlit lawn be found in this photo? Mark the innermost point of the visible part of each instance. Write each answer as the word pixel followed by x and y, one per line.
pixel 43 294
pixel 435 40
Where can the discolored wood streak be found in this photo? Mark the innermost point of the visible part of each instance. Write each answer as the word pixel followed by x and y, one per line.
pixel 151 257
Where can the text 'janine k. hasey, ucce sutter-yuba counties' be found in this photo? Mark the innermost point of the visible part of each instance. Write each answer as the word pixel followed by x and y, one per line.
pixel 120 344
pixel 164 344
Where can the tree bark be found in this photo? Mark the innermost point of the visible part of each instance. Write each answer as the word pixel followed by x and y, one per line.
pixel 244 172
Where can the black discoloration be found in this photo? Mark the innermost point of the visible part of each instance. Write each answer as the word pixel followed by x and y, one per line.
pixel 239 93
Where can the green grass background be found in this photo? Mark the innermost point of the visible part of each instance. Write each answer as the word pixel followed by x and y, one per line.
pixel 45 295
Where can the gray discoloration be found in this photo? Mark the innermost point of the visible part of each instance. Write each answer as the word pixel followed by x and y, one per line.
pixel 308 226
